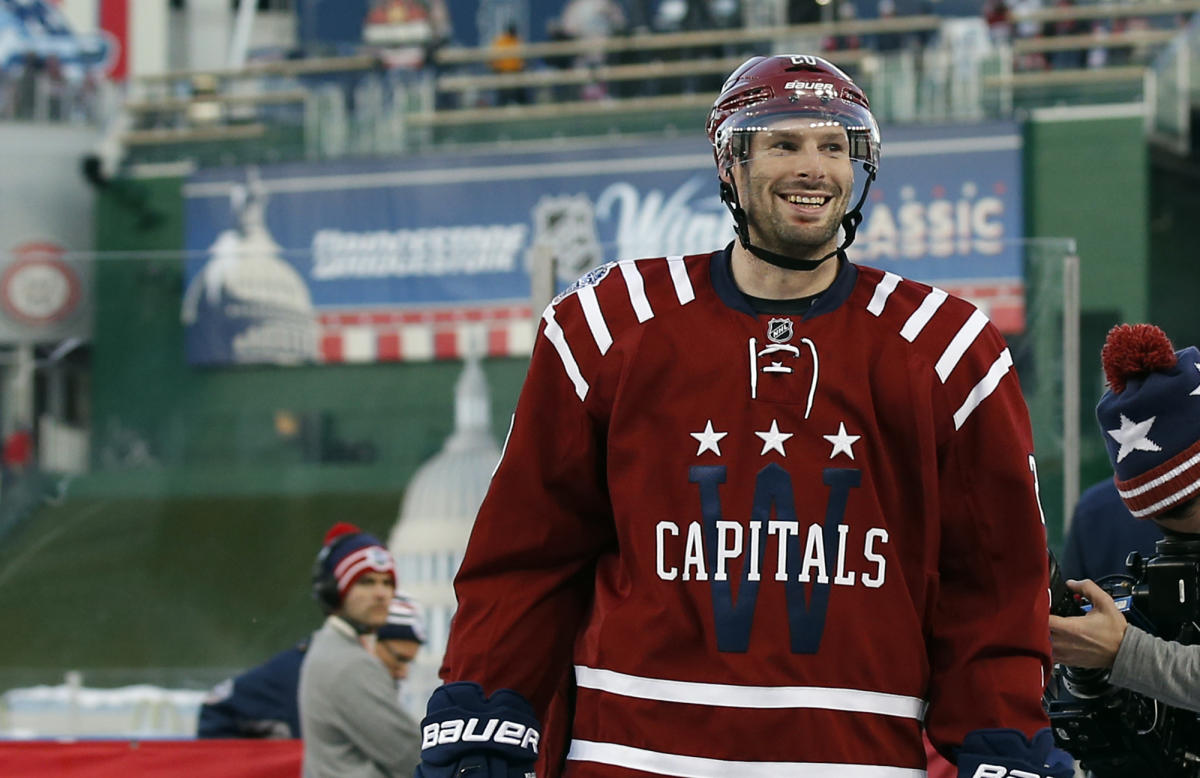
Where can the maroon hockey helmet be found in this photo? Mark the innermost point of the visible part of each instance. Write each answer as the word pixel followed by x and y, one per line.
pixel 766 92
pixel 767 88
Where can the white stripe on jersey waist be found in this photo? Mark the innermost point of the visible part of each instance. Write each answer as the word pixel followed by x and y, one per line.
pixel 660 763
pixel 731 696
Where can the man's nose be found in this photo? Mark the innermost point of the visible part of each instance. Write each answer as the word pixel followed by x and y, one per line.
pixel 809 163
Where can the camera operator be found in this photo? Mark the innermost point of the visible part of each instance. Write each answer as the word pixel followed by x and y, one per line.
pixel 1150 418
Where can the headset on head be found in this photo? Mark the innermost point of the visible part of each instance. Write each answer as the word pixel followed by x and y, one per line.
pixel 324 583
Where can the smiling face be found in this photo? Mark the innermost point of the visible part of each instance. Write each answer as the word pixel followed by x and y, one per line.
pixel 795 181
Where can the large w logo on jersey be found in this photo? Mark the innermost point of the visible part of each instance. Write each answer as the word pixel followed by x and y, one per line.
pixel 774 508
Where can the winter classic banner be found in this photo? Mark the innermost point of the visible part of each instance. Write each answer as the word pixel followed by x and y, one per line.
pixel 411 258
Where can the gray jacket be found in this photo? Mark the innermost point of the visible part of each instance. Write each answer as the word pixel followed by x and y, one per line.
pixel 350 715
pixel 1158 668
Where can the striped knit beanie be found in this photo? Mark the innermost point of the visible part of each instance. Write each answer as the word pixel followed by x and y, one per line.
pixel 1150 418
pixel 404 620
pixel 354 553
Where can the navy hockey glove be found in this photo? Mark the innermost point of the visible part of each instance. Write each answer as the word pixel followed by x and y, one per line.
pixel 467 735
pixel 1007 753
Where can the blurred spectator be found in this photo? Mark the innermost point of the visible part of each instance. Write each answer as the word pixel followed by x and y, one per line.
pixel 18 454
pixel 352 724
pixel 592 20
pixel 401 637
pixel 556 34
pixel 506 61
pixel 998 18
pixel 28 76
pixel 803 12
pixel 1067 58
pixel 1097 56
pixel 886 42
pixel 259 703
pixel 846 12
pixel 263 701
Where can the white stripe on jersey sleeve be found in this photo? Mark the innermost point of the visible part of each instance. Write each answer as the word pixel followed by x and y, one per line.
pixel 921 316
pixel 883 290
pixel 659 763
pixel 985 387
pixel 595 318
pixel 637 290
pixel 555 334
pixel 962 341
pixel 737 696
pixel 683 284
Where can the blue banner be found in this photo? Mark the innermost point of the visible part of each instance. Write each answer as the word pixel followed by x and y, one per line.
pixel 286 260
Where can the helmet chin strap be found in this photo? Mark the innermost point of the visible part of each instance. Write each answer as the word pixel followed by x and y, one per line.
pixel 850 222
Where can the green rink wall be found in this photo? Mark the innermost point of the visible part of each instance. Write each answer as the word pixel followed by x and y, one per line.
pixel 1087 177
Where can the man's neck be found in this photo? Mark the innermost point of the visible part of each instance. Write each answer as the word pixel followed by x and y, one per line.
pixel 758 278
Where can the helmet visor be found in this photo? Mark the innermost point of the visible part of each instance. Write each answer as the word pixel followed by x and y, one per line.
pixel 774 129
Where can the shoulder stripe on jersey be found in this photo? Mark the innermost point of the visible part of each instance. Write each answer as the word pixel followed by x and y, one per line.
pixel 555 334
pixel 985 387
pixel 683 284
pixel 637 290
pixel 731 696
pixel 962 341
pixel 883 290
pixel 659 763
pixel 921 316
pixel 595 318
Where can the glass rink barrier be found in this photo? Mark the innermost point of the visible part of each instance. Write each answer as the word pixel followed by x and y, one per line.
pixel 175 451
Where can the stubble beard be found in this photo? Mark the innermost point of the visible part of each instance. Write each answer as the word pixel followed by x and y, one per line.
pixel 775 234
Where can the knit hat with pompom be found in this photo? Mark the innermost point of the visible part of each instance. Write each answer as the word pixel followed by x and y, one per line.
pixel 1150 418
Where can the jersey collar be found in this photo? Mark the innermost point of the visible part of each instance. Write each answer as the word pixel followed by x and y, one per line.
pixel 721 272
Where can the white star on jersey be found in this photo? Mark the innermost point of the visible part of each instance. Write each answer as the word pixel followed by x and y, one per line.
pixel 773 439
pixel 1134 436
pixel 1196 391
pixel 709 440
pixel 842 443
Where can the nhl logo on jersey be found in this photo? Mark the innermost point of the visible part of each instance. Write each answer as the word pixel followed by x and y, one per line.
pixel 779 330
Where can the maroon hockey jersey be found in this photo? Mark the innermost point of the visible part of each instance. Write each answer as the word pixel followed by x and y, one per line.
pixel 761 545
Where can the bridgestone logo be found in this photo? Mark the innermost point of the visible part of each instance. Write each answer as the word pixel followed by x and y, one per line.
pixel 509 733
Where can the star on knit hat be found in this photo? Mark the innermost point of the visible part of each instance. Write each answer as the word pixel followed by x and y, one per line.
pixel 1134 436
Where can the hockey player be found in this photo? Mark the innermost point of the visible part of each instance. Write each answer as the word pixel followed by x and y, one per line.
pixel 761 512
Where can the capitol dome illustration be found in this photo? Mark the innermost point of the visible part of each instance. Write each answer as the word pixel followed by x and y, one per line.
pixel 248 303
pixel 436 515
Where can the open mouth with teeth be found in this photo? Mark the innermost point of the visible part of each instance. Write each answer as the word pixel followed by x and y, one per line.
pixel 807 201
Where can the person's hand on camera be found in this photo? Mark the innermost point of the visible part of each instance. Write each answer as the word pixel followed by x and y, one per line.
pixel 1091 640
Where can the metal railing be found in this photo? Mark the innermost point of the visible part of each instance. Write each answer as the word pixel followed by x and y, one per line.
pixel 357 105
